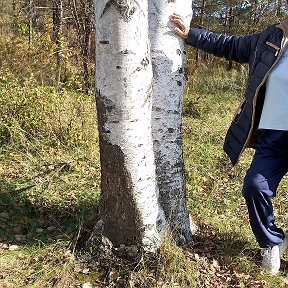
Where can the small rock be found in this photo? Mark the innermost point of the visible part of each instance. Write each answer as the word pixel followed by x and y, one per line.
pixel 18 230
pixel 20 238
pixel 39 230
pixel 29 236
pixel 13 247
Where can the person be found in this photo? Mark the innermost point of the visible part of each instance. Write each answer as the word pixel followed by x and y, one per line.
pixel 261 122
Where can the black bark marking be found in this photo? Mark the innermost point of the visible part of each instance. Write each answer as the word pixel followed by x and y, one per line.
pixel 158 109
pixel 186 73
pixel 178 52
pixel 179 83
pixel 104 42
pixel 118 209
pixel 156 8
pixel 126 8
pixel 145 62
pixel 127 52
pixel 148 95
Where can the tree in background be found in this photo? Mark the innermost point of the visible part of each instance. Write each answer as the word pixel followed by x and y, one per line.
pixel 24 21
pixel 57 34
pixel 83 16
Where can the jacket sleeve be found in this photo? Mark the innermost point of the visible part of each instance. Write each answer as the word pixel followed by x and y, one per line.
pixel 237 48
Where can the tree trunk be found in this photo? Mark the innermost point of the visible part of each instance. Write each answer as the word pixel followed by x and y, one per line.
pixel 170 72
pixel 30 25
pixel 129 209
pixel 82 13
pixel 279 6
pixel 86 43
pixel 230 22
pixel 57 32
pixel 14 22
pixel 197 52
pixel 255 12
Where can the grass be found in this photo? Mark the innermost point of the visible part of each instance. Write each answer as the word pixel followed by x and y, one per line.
pixel 49 191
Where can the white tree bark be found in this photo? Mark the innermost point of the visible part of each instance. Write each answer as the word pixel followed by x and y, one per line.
pixel 169 67
pixel 129 197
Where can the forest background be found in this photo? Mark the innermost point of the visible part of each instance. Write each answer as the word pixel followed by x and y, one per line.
pixel 49 158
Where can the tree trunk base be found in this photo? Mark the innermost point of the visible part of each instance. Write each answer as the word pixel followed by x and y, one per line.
pixel 98 251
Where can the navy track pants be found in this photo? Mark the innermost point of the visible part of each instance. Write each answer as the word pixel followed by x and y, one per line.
pixel 268 167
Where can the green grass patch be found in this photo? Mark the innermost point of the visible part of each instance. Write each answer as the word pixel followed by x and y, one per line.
pixel 50 185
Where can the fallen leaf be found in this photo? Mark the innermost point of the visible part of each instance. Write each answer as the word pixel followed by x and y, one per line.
pixel 4 246
pixel 87 285
pixel 86 271
pixel 228 260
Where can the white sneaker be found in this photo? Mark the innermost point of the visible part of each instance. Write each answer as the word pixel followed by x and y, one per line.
pixel 271 259
pixel 271 256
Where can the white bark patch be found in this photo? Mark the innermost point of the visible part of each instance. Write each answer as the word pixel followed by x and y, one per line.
pixel 124 86
pixel 169 68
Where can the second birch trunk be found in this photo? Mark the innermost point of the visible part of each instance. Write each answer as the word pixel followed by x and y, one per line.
pixel 168 54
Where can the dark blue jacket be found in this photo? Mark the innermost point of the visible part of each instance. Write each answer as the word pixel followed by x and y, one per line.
pixel 261 51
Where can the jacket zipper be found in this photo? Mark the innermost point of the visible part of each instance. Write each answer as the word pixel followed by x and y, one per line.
pixel 279 53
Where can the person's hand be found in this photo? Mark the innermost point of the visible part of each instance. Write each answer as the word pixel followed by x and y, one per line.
pixel 181 29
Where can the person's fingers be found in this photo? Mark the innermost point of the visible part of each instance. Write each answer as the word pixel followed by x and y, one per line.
pixel 176 15
pixel 179 32
pixel 181 28
pixel 180 24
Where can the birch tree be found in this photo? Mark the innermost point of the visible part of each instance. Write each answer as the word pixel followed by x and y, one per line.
pixel 129 209
pixel 169 68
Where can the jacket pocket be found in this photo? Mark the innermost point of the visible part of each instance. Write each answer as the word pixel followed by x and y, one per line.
pixel 274 47
pixel 267 50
